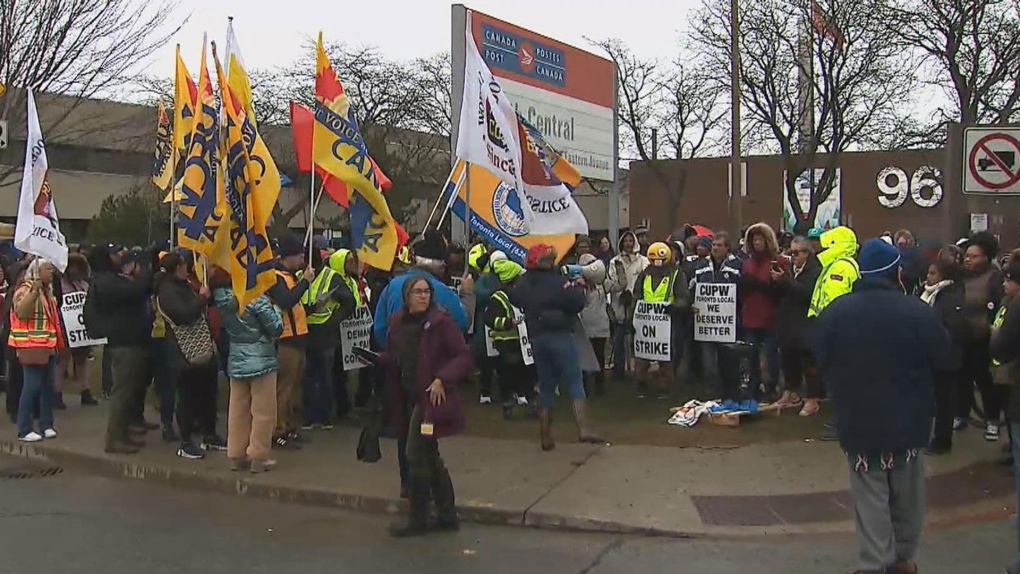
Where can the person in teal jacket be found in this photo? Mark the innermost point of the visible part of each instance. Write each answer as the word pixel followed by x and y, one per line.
pixel 251 366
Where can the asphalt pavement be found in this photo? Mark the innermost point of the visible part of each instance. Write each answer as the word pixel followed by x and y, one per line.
pixel 76 523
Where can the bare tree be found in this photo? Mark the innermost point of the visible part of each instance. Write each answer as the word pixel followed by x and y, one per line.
pixel 77 49
pixel 817 79
pixel 674 104
pixel 971 53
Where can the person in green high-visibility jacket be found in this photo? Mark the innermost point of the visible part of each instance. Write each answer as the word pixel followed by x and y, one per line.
pixel 331 298
pixel 663 282
pixel 502 320
pixel 839 268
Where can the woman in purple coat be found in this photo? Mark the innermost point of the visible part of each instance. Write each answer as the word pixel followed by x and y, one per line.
pixel 425 361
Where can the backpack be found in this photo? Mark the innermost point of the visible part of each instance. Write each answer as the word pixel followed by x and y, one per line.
pixel 91 316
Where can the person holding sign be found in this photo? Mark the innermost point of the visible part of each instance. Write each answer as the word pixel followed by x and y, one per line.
pixel 721 268
pixel 503 324
pixel 661 290
pixel 73 363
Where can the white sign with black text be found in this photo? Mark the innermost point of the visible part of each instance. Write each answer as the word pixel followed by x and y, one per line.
pixel 653 329
pixel 522 337
pixel 716 319
pixel 355 331
pixel 77 335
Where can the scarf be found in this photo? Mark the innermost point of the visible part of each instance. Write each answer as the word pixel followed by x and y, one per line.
pixel 932 291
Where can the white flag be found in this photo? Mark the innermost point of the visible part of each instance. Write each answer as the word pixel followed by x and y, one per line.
pixel 488 135
pixel 38 229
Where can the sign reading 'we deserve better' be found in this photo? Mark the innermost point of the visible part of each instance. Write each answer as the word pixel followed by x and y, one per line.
pixel 716 320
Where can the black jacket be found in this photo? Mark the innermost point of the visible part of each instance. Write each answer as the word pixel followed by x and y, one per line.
pixel 794 299
pixel 949 306
pixel 123 304
pixel 1005 348
pixel 549 305
pixel 327 335
pixel 181 305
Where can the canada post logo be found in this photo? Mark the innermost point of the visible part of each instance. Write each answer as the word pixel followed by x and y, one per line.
pixel 508 51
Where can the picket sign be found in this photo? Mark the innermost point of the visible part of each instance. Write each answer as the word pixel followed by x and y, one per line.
pixel 522 336
pixel 71 307
pixel 716 321
pixel 355 331
pixel 653 331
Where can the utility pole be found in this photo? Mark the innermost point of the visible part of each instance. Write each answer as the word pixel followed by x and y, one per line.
pixel 735 199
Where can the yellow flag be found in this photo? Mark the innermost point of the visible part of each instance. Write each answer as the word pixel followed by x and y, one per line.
pixel 338 148
pixel 198 221
pixel 252 271
pixel 2 89
pixel 185 98
pixel 237 75
pixel 166 155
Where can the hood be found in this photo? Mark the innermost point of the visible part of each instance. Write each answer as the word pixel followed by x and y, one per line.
pixel 840 242
pixel 224 298
pixel 619 244
pixel 338 259
pixel 766 231
pixel 81 261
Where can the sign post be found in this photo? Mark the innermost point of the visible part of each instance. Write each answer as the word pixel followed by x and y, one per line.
pixel 991 160
pixel 716 321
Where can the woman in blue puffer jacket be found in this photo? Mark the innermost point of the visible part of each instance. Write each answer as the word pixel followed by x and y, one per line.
pixel 251 366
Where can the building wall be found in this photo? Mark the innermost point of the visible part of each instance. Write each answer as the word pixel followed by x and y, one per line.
pixel 705 198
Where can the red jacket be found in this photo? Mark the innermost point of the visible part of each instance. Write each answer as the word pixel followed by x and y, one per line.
pixel 444 356
pixel 759 295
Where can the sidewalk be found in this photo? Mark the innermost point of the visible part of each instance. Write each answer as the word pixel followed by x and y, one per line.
pixel 767 489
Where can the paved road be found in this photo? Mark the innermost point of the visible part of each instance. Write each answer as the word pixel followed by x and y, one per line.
pixel 74 523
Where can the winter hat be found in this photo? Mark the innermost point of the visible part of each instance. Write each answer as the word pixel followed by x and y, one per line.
pixel 290 245
pixel 705 241
pixel 432 245
pixel 815 233
pixel 496 256
pixel 887 239
pixel 878 259
pixel 507 270
pixel 538 256
pixel 1012 271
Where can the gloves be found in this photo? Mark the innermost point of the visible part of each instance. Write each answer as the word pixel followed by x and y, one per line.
pixel 626 298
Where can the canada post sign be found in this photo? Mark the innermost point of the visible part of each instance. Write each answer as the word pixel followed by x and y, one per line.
pixel 568 94
pixel 504 50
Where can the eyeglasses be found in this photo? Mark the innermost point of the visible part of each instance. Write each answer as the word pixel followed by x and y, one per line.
pixel 798 251
pixel 421 292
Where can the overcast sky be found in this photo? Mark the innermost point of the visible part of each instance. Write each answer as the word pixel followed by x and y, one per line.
pixel 273 32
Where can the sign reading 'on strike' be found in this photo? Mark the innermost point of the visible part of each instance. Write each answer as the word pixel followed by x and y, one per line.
pixel 77 335
pixel 653 328
pixel 716 321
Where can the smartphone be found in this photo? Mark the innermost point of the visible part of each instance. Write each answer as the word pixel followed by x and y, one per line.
pixel 775 266
pixel 365 355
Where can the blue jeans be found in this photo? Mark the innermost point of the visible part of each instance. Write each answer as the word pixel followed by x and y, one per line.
pixel 1015 430
pixel 710 368
pixel 164 378
pixel 39 386
pixel 620 350
pixel 769 344
pixel 317 387
pixel 556 360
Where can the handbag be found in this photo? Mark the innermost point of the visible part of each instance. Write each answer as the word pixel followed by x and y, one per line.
pixel 369 450
pixel 194 340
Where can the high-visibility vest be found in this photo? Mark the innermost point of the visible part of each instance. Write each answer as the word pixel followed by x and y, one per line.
pixel 832 284
pixel 319 287
pixel 663 293
pixel 42 330
pixel 295 320
pixel 509 332
pixel 1000 316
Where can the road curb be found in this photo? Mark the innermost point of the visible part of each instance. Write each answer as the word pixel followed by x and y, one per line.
pixel 246 485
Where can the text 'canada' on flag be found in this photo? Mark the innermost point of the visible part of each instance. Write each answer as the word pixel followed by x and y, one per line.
pixel 38 229
pixel 339 148
pixel 251 266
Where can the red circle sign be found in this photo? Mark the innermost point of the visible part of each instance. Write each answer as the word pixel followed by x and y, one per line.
pixel 982 146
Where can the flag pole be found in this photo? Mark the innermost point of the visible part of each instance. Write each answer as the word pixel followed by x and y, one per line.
pixel 315 206
pixel 173 195
pixel 312 204
pixel 439 201
pixel 453 197
pixel 467 203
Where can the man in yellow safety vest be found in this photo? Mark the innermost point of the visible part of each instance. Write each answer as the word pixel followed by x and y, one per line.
pixel 663 282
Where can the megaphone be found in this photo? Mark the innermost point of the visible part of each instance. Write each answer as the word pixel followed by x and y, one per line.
pixel 594 272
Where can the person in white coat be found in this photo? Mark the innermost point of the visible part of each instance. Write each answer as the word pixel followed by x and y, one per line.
pixel 622 273
pixel 595 318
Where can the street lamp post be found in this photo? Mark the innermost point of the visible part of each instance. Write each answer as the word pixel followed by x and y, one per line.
pixel 735 200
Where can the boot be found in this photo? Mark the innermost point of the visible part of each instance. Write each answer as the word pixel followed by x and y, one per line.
pixel 446 502
pixel 120 447
pixel 59 405
pixel 584 432
pixel 545 428
pixel 87 400
pixel 418 518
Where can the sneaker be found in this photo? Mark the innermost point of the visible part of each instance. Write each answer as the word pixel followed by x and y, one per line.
pixel 326 426
pixel 485 400
pixel 49 433
pixel 105 395
pixel 31 437
pixel 281 442
pixel 522 401
pixel 960 424
pixel 297 438
pixel 190 452
pixel 311 427
pixel 214 442
pixel 991 432
pixel 170 435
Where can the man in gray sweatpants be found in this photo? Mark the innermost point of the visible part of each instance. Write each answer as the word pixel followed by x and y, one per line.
pixel 879 351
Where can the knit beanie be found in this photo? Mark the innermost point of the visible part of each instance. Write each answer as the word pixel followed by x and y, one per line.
pixel 878 259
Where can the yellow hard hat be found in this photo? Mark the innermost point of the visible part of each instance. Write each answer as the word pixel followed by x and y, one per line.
pixel 659 251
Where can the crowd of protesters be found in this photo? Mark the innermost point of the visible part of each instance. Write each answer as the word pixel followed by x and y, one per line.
pixel 933 329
